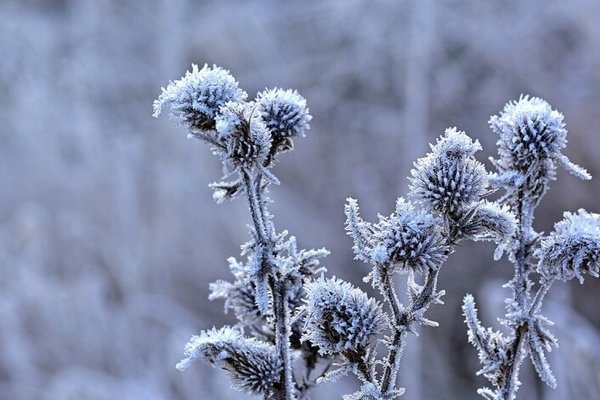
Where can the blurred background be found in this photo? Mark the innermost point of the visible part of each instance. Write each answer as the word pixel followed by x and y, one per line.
pixel 108 233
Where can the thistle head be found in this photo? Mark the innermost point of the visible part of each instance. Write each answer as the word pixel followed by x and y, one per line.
pixel 197 97
pixel 253 366
pixel 573 249
pixel 409 240
pixel 340 319
pixel 284 112
pixel 243 134
pixel 448 179
pixel 531 138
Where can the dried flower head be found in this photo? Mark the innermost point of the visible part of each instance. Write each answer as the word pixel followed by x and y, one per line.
pixel 253 366
pixel 340 319
pixel 243 135
pixel 531 136
pixel 197 98
pixel 284 112
pixel 409 239
pixel 449 178
pixel 573 249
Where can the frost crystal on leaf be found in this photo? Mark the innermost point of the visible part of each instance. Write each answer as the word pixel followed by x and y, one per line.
pixel 449 178
pixel 196 98
pixel 253 366
pixel 573 249
pixel 340 319
pixel 490 221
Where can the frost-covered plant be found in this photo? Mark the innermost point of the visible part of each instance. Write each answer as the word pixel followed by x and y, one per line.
pixel 269 286
pixel 531 138
pixel 446 206
pixel 293 322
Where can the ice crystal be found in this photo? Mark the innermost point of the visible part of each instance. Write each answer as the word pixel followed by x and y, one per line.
pixel 197 98
pixel 573 249
pixel 340 319
pixel 449 179
pixel 253 366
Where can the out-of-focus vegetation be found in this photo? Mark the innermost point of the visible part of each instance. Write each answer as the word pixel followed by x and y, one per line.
pixel 109 236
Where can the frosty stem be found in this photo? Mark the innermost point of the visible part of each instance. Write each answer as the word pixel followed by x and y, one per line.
pixel 520 284
pixel 402 323
pixel 539 297
pixel 253 185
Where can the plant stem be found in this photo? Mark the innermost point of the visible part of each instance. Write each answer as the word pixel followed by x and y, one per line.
pixel 402 323
pixel 520 286
pixel 397 345
pixel 539 297
pixel 277 284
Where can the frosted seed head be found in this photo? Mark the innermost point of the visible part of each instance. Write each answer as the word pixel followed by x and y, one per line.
pixel 253 366
pixel 449 178
pixel 573 249
pixel 243 134
pixel 197 97
pixel 339 317
pixel 529 130
pixel 531 138
pixel 409 240
pixel 284 112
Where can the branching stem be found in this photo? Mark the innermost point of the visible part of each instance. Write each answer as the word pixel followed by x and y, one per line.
pixel 278 284
pixel 403 321
pixel 509 385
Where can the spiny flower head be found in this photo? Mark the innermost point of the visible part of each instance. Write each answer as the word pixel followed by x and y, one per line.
pixel 253 366
pixel 243 134
pixel 573 249
pixel 531 132
pixel 284 112
pixel 449 178
pixel 197 97
pixel 409 239
pixel 340 319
